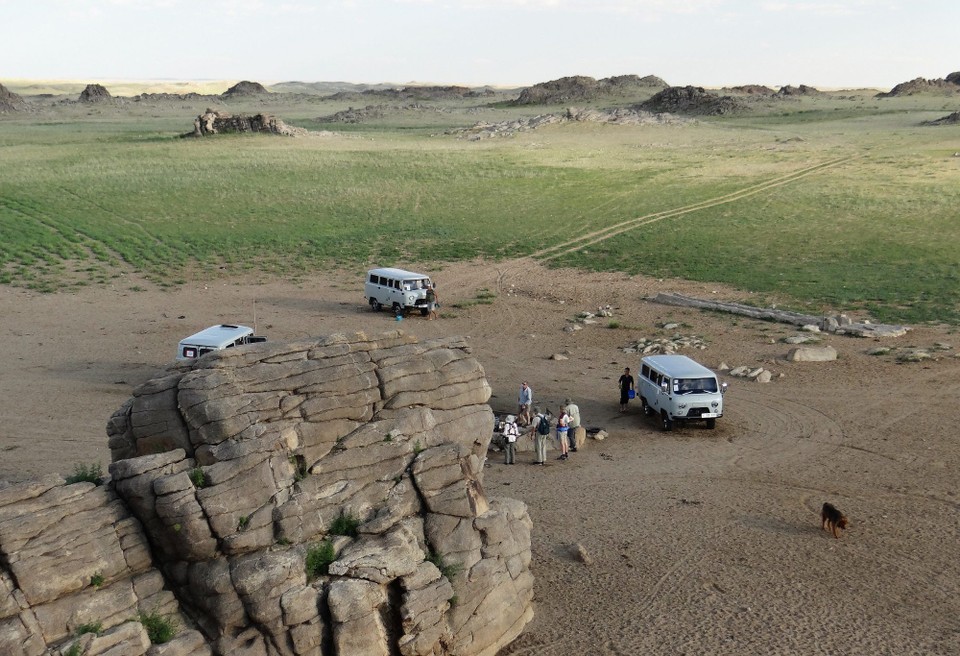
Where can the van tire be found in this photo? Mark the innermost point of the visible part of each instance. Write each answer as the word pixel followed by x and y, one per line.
pixel 376 305
pixel 647 410
pixel 396 308
pixel 666 422
pixel 711 423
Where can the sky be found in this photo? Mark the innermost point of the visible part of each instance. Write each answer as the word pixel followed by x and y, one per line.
pixel 711 43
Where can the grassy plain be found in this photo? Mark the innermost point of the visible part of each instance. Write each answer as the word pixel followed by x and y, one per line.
pixel 88 191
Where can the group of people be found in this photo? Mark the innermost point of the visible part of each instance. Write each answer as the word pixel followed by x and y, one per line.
pixel 567 422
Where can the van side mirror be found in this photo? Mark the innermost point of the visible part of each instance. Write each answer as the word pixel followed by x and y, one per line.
pixel 663 386
pixel 723 388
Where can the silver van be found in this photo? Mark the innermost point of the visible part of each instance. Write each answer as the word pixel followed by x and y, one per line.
pixel 676 388
pixel 397 289
pixel 215 338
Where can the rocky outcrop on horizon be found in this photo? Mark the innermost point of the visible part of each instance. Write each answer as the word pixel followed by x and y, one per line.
pixel 619 116
pixel 802 90
pixel 579 88
pixel 245 465
pixel 432 93
pixel 692 100
pixel 752 90
pixel 948 85
pixel 94 93
pixel 245 88
pixel 949 119
pixel 10 101
pixel 214 121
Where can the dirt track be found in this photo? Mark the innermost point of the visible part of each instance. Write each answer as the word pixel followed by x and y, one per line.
pixel 703 542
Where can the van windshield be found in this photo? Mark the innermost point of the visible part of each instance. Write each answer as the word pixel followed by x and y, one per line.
pixel 695 385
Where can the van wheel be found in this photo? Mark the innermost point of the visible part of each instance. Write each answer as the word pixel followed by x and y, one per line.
pixel 396 308
pixel 647 410
pixel 711 423
pixel 666 422
pixel 376 305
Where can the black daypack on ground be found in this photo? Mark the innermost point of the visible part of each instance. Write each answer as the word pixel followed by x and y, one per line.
pixel 544 426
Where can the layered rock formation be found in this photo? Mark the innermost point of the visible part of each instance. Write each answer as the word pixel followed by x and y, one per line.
pixel 94 93
pixel 10 101
pixel 247 466
pixel 216 122
pixel 322 497
pixel 76 573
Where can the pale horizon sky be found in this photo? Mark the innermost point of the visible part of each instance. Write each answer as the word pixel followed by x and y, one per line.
pixel 822 43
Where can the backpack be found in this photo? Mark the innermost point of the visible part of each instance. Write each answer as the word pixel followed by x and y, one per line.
pixel 544 426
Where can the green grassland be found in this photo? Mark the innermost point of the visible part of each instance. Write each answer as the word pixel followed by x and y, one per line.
pixel 87 191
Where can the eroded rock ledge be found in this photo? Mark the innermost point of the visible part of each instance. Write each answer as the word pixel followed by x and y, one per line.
pixel 240 465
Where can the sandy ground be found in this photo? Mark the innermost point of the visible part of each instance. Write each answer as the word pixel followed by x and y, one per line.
pixel 701 542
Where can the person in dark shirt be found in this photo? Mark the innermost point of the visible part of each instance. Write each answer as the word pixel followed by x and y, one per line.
pixel 626 384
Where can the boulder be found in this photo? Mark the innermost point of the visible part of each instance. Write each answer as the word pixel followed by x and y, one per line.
pixel 812 354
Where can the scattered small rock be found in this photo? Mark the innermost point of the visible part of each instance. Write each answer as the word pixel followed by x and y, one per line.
pixel 559 356
pixel 812 354
pixel 580 553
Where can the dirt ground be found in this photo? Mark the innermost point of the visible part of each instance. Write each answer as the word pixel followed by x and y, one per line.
pixel 700 542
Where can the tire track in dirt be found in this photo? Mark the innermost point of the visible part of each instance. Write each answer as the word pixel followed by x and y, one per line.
pixel 597 236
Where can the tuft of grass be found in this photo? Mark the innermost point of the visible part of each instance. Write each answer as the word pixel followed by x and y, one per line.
pixel 318 559
pixel 345 525
pixel 97 580
pixel 417 448
pixel 74 650
pixel 449 570
pixel 160 628
pixel 243 523
pixel 613 325
pixel 86 474
pixel 198 477
pixel 89 627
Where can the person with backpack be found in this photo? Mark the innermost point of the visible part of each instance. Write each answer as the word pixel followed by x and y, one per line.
pixel 510 434
pixel 563 427
pixel 541 431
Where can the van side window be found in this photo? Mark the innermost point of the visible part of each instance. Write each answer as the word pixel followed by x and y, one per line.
pixel 645 371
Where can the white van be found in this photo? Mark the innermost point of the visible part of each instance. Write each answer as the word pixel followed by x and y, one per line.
pixel 676 388
pixel 397 289
pixel 215 338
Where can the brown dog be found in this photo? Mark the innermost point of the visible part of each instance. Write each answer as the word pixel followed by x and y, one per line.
pixel 832 519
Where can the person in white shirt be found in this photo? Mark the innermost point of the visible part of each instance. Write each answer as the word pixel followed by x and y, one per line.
pixel 573 410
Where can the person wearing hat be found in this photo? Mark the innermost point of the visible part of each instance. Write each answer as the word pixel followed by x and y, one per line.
pixel 573 411
pixel 510 434
pixel 563 428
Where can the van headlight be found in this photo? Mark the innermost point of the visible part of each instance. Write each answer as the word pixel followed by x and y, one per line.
pixel 714 404
pixel 682 406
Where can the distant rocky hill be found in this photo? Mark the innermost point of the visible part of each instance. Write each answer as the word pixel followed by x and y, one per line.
pixel 579 88
pixel 802 90
pixel 692 100
pixel 246 88
pixel 949 119
pixel 751 90
pixel 948 85
pixel 416 93
pixel 95 93
pixel 10 102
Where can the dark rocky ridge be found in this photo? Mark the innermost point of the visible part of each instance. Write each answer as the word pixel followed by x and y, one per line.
pixel 692 100
pixel 10 101
pixel 579 88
